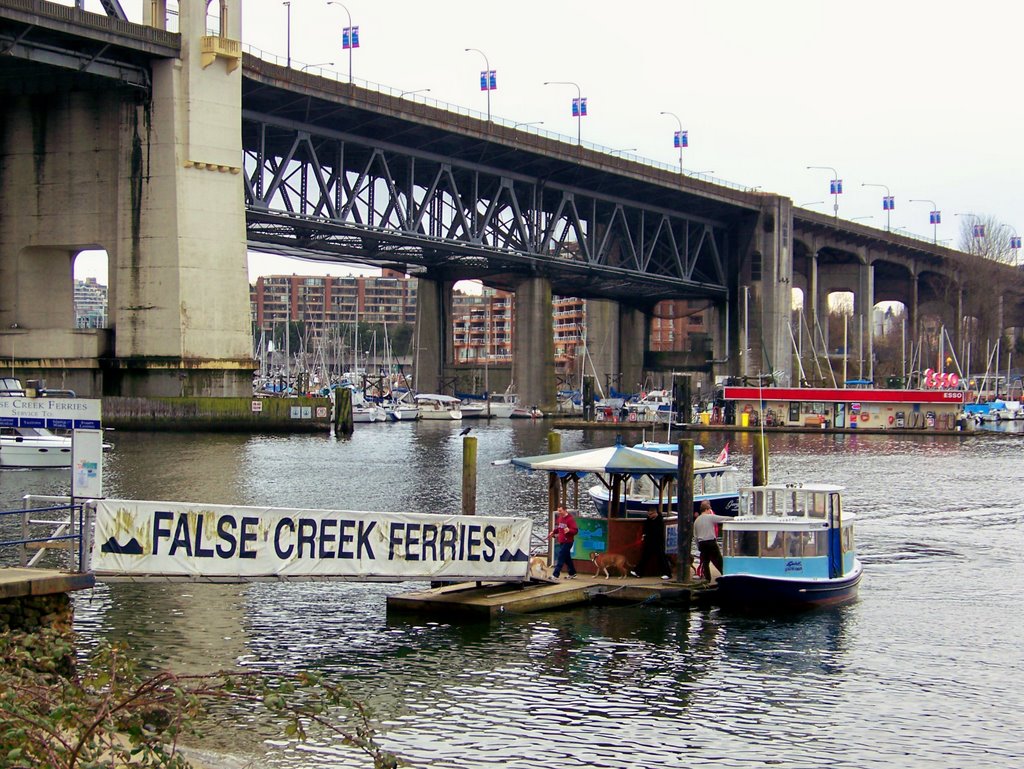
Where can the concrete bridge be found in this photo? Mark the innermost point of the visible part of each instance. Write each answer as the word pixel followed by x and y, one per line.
pixel 174 152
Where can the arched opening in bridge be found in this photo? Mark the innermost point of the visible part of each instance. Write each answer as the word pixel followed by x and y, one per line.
pixel 91 288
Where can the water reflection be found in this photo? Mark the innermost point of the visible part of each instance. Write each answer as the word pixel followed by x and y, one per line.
pixel 930 642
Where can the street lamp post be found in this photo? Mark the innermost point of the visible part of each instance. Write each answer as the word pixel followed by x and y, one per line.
pixel 888 203
pixel 579 106
pixel 977 230
pixel 1014 242
pixel 418 90
pixel 488 80
pixel 304 67
pixel 680 139
pixel 349 35
pixel 836 186
pixel 534 122
pixel 287 4
pixel 934 217
pixel 616 152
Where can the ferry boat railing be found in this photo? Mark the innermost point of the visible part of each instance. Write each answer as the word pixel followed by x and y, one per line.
pixel 36 536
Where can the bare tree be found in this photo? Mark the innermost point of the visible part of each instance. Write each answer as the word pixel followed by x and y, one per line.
pixel 987 237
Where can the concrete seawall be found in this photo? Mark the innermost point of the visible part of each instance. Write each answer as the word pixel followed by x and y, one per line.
pixel 255 415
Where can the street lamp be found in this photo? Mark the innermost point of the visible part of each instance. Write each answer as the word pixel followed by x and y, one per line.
pixel 349 36
pixel 836 186
pixel 812 203
pixel 418 90
pixel 1014 242
pixel 579 106
pixel 888 203
pixel 680 138
pixel 287 4
pixel 321 64
pixel 535 122
pixel 616 152
pixel 934 218
pixel 977 230
pixel 856 218
pixel 488 80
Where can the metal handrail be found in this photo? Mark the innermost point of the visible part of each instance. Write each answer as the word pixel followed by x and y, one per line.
pixel 77 533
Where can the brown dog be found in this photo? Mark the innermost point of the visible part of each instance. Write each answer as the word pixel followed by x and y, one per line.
pixel 611 561
pixel 539 568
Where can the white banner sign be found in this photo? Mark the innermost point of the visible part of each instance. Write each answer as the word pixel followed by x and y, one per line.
pixel 181 539
pixel 87 463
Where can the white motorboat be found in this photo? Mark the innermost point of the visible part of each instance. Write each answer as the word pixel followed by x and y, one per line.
pixel 401 408
pixel 34 447
pixel 473 410
pixel 434 406
pixel 506 406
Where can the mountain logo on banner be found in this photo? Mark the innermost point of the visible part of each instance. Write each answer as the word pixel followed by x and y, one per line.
pixel 510 557
pixel 113 546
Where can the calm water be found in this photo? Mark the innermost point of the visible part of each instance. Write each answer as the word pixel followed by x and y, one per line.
pixel 926 669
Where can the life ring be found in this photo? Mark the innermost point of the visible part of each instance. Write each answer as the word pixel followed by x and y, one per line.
pixel 891 420
pixel 632 416
pixel 747 409
pixel 864 416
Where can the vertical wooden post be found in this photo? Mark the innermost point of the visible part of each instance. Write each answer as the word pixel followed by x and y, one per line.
pixel 554 493
pixel 469 475
pixel 587 398
pixel 760 468
pixel 684 523
pixel 343 410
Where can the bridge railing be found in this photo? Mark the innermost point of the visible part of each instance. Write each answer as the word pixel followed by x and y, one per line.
pixel 330 74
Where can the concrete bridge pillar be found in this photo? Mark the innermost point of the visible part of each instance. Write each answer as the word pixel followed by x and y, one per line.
pixel 155 181
pixel 533 345
pixel 634 331
pixel 432 340
pixel 603 344
pixel 771 349
pixel 864 305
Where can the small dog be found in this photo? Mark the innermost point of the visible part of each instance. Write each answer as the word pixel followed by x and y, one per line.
pixel 608 561
pixel 539 568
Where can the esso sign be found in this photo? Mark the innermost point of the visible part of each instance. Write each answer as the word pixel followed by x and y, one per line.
pixel 935 380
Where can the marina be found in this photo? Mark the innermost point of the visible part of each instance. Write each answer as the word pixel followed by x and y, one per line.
pixel 921 533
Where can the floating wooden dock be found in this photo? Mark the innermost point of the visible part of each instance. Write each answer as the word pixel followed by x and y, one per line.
pixel 18 582
pixel 492 599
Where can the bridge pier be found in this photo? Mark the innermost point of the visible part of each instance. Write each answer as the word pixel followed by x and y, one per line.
pixel 433 350
pixel 154 179
pixel 533 346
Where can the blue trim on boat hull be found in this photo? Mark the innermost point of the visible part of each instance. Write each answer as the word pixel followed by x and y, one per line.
pixel 754 592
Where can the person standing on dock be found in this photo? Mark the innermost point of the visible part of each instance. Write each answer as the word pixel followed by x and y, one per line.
pixel 705 531
pixel 653 561
pixel 564 532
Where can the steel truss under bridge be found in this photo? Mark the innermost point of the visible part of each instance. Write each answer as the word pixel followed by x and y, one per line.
pixel 318 193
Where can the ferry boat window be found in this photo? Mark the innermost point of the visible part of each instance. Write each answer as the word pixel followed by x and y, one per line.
pixel 771 544
pixel 847 539
pixel 794 544
pixel 741 543
pixel 815 543
pixel 817 505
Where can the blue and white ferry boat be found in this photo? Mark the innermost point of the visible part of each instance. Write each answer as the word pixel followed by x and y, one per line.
pixel 790 547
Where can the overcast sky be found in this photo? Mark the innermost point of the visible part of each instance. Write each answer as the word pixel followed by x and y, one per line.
pixel 920 95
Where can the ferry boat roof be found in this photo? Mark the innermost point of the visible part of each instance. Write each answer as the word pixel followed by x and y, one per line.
pixel 614 459
pixel 842 395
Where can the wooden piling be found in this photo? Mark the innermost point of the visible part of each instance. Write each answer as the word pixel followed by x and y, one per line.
pixel 684 508
pixel 760 467
pixel 469 475
pixel 343 410
pixel 554 490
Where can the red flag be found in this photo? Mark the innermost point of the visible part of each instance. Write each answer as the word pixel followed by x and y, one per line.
pixel 723 457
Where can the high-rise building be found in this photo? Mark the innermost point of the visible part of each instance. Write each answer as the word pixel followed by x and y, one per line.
pixel 90 304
